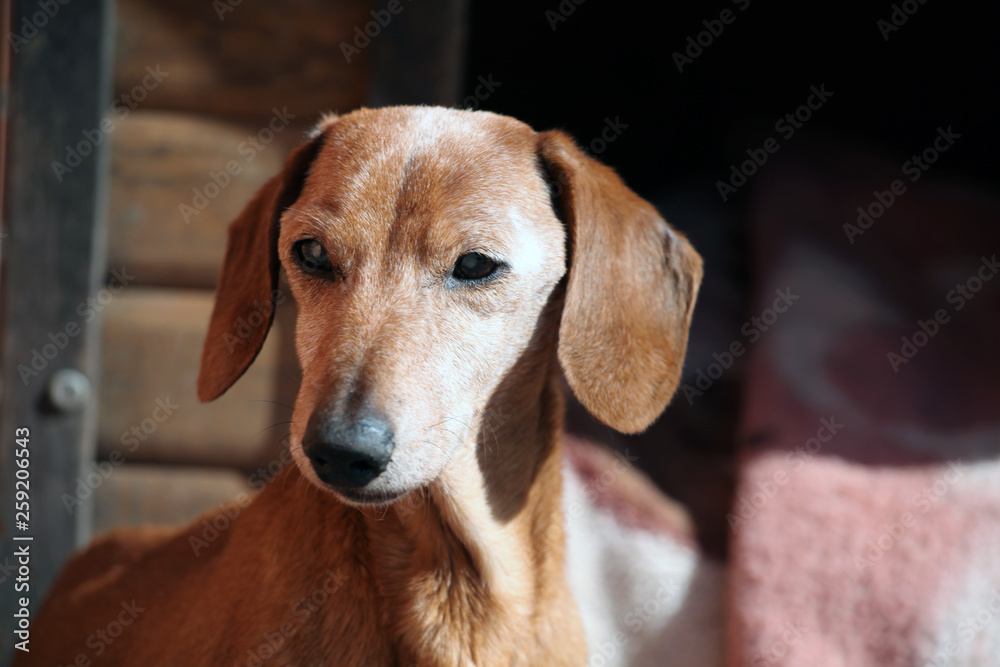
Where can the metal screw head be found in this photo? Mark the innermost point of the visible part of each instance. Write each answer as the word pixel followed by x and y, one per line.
pixel 69 390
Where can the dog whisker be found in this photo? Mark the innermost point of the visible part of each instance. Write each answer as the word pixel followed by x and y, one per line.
pixel 268 428
pixel 265 400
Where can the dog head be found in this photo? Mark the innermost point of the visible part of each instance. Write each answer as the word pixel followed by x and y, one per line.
pixel 426 250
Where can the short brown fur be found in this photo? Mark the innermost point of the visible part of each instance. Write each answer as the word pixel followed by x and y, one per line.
pixel 466 567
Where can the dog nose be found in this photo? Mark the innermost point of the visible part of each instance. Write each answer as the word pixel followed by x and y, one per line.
pixel 348 455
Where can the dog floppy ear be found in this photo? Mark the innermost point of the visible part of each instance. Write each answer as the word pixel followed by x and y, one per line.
pixel 631 290
pixel 248 284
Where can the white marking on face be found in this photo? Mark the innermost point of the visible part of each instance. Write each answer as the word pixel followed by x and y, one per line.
pixel 431 351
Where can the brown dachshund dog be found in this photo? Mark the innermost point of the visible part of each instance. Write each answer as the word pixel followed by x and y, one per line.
pixel 449 268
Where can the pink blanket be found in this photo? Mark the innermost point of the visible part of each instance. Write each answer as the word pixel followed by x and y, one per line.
pixel 866 522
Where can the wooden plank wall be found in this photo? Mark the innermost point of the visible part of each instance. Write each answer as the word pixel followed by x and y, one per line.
pixel 216 79
pixel 55 76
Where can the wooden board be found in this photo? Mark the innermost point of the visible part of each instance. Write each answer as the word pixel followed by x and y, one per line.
pixel 162 162
pixel 149 409
pixel 56 80
pixel 244 62
pixel 165 495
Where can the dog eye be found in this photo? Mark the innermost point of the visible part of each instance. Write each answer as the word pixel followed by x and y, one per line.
pixel 312 257
pixel 474 266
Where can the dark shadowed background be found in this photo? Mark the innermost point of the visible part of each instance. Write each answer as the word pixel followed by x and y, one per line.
pixel 893 84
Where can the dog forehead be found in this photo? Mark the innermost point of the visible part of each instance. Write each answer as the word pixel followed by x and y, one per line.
pixel 404 125
pixel 423 174
pixel 411 158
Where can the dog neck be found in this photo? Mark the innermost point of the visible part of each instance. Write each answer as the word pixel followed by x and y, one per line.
pixel 473 568
pixel 470 570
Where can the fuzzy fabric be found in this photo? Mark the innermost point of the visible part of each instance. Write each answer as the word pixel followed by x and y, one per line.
pixel 646 595
pixel 866 520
